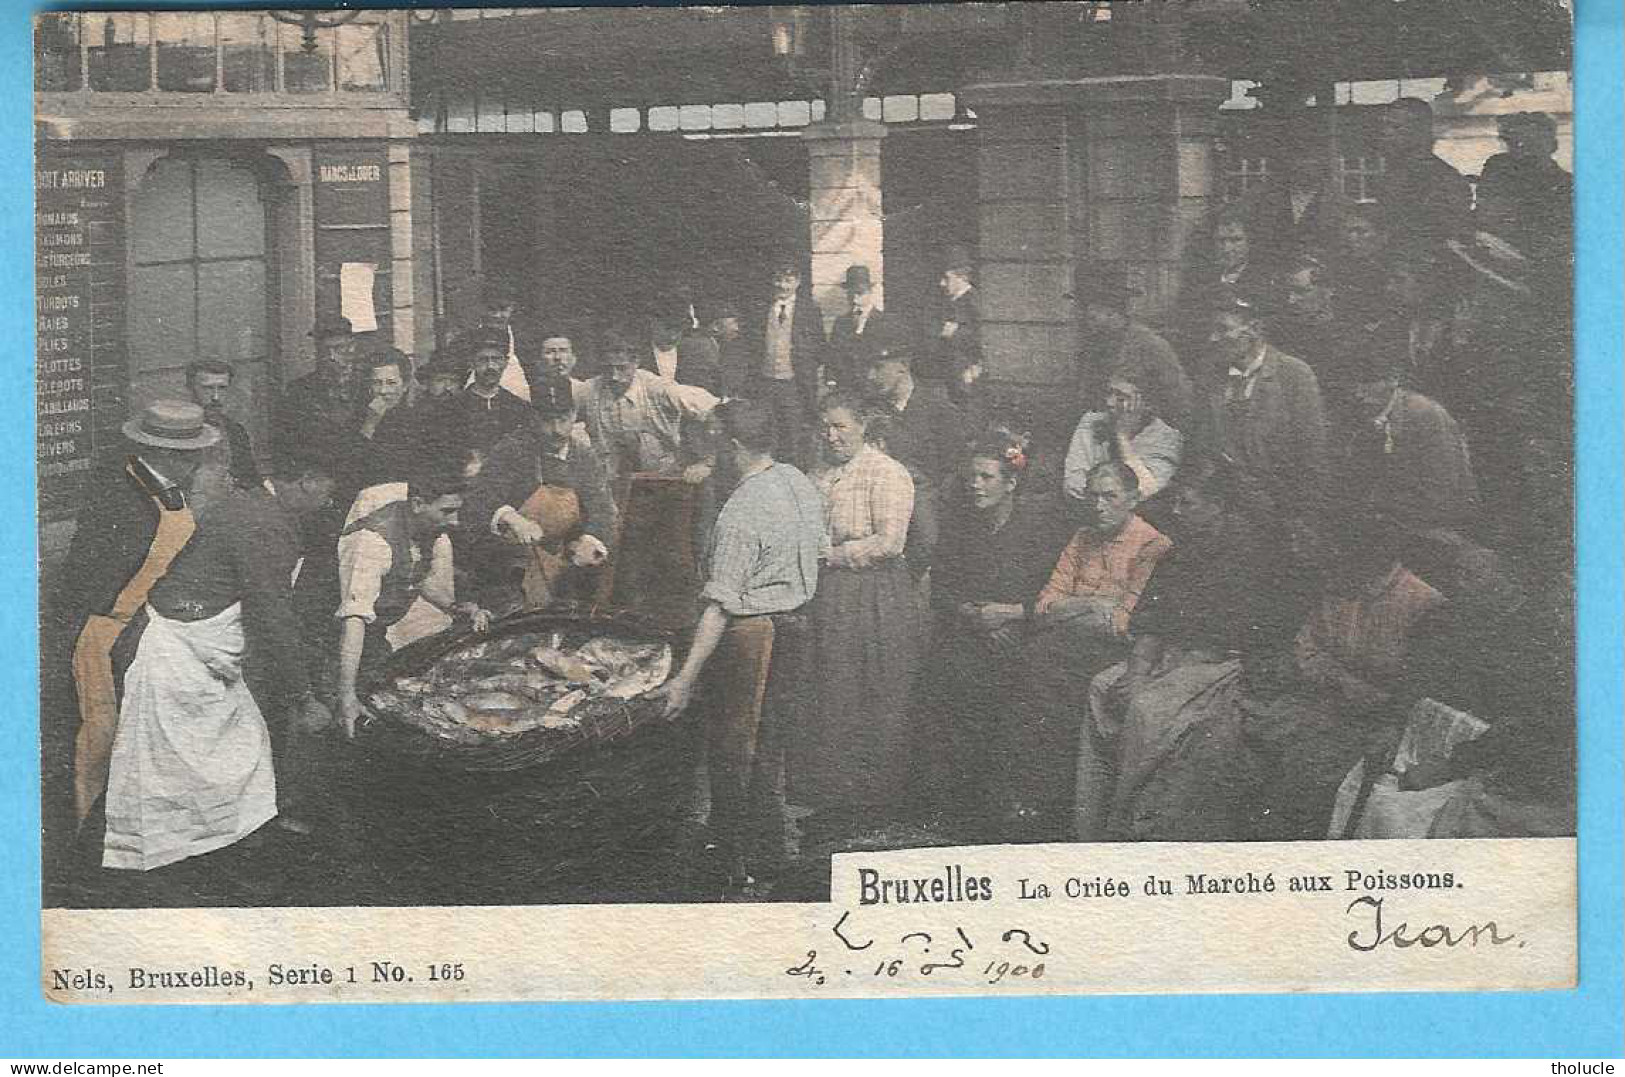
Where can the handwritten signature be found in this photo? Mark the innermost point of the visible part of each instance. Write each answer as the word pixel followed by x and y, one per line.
pixel 920 953
pixel 1375 934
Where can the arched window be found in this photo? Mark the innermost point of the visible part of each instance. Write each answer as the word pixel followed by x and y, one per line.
pixel 199 280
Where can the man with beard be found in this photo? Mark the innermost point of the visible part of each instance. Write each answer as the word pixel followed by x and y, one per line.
pixel 542 509
pixel 209 383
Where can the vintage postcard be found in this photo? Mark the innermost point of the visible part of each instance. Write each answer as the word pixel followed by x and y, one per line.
pixel 735 502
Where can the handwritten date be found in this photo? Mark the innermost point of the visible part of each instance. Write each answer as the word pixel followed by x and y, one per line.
pixel 922 954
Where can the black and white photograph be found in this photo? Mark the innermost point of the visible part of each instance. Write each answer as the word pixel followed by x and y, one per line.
pixel 632 456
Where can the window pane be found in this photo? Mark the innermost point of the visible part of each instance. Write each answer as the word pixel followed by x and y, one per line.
pixel 248 44
pixel 624 121
pixel 901 108
pixel 937 106
pixel 56 53
pixel 231 310
pixel 161 219
pixel 185 52
pixel 663 118
pixel 306 71
pixel 162 330
pixel 119 57
pixel 363 56
pixel 230 215
pixel 573 122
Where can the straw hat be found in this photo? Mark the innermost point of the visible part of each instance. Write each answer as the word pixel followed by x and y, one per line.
pixel 171 424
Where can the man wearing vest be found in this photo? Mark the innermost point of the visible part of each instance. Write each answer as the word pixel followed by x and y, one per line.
pixel 393 549
pixel 137 517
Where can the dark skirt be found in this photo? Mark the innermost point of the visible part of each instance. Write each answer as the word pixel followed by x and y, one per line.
pixel 849 751
pixel 966 692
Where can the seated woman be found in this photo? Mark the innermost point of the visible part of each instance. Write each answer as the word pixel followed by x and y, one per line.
pixel 998 546
pixel 1079 626
pixel 1493 653
pixel 847 757
pixel 1308 716
pixel 1209 602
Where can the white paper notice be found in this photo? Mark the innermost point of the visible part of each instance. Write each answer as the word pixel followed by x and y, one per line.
pixel 355 296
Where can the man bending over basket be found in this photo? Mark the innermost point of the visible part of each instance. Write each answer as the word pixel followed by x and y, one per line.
pixel 762 569
pixel 394 549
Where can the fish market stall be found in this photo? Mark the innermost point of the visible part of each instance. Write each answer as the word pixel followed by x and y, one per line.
pixel 522 766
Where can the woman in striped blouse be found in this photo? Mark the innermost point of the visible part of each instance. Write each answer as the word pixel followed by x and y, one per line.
pixel 849 752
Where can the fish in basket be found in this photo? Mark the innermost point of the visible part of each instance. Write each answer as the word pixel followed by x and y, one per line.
pixel 532 688
pixel 524 766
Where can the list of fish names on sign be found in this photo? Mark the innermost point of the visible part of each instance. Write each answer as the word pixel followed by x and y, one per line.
pixel 79 257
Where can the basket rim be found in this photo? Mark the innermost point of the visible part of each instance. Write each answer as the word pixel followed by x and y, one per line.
pixel 401 739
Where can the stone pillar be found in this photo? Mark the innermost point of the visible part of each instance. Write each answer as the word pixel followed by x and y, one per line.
pixel 403 287
pixel 1078 172
pixel 845 212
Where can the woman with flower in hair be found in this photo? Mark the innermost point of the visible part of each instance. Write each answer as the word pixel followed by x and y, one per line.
pixel 999 543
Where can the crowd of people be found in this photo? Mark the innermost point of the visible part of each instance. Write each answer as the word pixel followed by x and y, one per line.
pixel 1326 495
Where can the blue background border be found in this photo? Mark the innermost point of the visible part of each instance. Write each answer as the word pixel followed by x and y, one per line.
pixel 1582 1023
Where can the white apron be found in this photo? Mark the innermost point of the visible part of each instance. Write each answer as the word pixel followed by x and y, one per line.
pixel 191 769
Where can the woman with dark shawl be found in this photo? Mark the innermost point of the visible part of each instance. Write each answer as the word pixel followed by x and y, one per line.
pixel 999 544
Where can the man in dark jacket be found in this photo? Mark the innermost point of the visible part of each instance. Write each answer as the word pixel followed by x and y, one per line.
pixel 1425 198
pixel 542 508
pixel 955 353
pixel 209 381
pixel 859 334
pixel 322 406
pixel 790 362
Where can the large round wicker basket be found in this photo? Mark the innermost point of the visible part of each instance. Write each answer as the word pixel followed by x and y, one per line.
pixel 590 814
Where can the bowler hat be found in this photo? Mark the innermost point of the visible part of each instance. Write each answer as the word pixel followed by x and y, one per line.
pixel 957 257
pixel 171 424
pixel 858 279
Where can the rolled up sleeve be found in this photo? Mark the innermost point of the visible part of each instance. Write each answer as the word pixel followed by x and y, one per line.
pixel 735 551
pixel 364 559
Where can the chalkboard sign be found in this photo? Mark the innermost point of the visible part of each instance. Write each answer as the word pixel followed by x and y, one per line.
pixel 81 376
